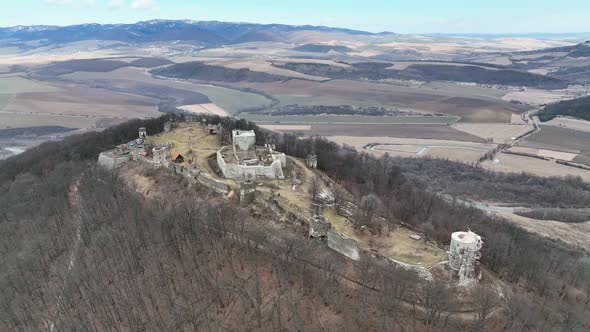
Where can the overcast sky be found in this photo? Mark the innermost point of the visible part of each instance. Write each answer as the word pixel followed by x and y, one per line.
pixel 402 16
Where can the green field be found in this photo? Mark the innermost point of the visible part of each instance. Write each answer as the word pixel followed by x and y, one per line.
pixel 233 101
pixel 582 159
pixel 348 119
pixel 11 85
pixel 4 100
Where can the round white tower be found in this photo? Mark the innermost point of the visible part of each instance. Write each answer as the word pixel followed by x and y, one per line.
pixel 464 249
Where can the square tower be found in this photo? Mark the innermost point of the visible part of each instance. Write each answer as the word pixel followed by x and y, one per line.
pixel 243 140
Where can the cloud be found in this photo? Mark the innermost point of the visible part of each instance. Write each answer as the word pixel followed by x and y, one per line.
pixel 116 4
pixel 143 4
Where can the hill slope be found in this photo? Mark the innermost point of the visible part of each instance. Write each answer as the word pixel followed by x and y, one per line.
pixel 577 108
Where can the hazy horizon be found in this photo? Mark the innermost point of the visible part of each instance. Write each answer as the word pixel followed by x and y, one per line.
pixel 426 17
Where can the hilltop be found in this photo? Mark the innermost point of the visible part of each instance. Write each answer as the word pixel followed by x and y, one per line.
pixel 153 238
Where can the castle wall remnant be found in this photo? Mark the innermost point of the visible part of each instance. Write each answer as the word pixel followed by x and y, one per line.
pixel 247 192
pixel 159 156
pixel 250 172
pixel 318 227
pixel 312 161
pixel 343 244
pixel 464 256
pixel 142 133
pixel 113 159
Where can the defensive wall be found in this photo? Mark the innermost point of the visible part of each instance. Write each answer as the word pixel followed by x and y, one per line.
pixel 236 171
pixel 343 244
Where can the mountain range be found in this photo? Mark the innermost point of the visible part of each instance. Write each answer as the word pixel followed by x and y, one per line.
pixel 201 32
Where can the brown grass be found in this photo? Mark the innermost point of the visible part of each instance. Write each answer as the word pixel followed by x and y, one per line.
pixel 569 123
pixel 559 139
pixel 192 141
pixel 501 133
pixel 577 234
pixel 397 244
pixel 517 164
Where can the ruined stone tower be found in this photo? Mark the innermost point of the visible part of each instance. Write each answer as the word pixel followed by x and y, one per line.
pixel 142 133
pixel 312 161
pixel 464 256
pixel 247 192
pixel 159 156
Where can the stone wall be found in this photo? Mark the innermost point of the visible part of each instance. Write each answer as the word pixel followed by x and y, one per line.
pixel 235 171
pixel 343 244
pixel 281 157
pixel 195 174
pixel 212 184
pixel 111 160
pixel 318 227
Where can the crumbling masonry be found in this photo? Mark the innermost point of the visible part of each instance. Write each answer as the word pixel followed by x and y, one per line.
pixel 464 256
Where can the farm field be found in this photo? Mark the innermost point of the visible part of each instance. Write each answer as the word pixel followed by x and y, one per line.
pixel 344 119
pixel 341 92
pixel 80 109
pixel 559 139
pixel 285 128
pixel 232 101
pixel 17 84
pixel 137 80
pixel 569 123
pixel 536 97
pixel 391 130
pixel 4 100
pixel 582 159
pixel 31 103
pixel 455 152
pixel 416 147
pixel 500 133
pixel 473 90
pixel 544 153
pixel 205 108
pixel 577 234
pixel 515 164
pixel 10 120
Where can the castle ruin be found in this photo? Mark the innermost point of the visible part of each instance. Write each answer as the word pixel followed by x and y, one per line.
pixel 243 160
